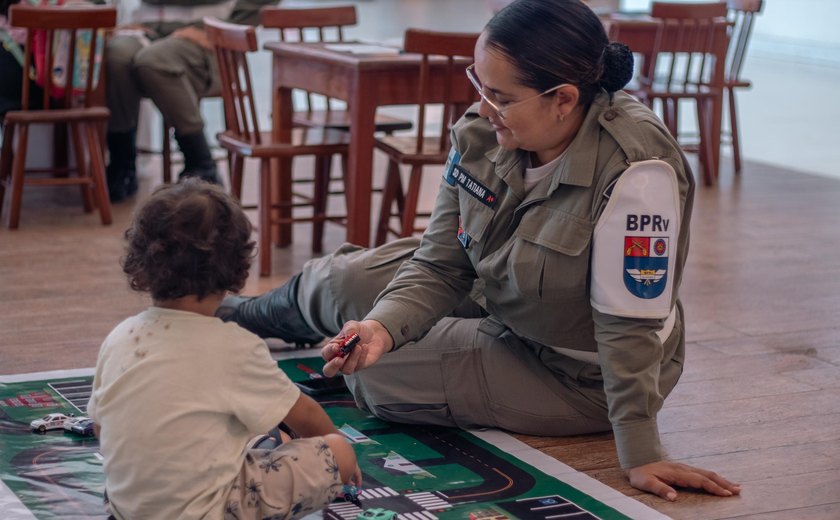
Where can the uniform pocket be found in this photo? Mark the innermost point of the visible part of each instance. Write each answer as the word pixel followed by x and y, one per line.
pixel 550 256
pixel 475 218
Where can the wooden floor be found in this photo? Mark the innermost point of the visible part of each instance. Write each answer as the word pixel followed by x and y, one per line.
pixel 760 398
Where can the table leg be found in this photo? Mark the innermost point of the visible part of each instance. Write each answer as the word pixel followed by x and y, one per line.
pixel 363 115
pixel 281 169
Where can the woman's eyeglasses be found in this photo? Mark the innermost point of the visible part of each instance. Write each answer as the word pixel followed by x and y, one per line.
pixel 498 107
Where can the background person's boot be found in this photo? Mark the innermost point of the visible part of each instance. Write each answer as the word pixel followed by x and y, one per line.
pixel 274 314
pixel 198 161
pixel 121 171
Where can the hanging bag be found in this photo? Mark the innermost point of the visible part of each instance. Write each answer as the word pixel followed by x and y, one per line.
pixel 61 41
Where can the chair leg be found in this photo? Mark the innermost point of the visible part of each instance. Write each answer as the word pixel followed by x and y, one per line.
pixel 18 166
pixel 320 192
pixel 237 165
pixel 389 194
pixel 97 172
pixel 166 153
pixel 675 117
pixel 704 147
pixel 733 125
pixel 6 154
pixel 284 197
pixel 229 162
pixel 345 167
pixel 264 211
pixel 412 196
pixel 669 109
pixel 82 166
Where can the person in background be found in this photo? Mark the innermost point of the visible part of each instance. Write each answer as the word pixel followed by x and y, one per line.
pixel 12 43
pixel 165 56
pixel 543 298
pixel 180 397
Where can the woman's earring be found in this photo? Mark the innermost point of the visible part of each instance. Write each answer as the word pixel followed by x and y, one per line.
pixel 562 117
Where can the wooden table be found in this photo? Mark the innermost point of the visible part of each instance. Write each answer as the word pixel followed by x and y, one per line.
pixel 639 33
pixel 365 82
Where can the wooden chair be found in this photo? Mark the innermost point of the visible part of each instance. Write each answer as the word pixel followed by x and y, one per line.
pixel 742 14
pixel 322 24
pixel 687 64
pixel 75 108
pixel 422 149
pixel 243 138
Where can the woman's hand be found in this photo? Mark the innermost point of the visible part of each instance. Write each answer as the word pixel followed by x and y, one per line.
pixel 195 35
pixel 375 340
pixel 658 477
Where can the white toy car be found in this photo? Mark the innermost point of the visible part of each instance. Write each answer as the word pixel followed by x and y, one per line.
pixel 51 421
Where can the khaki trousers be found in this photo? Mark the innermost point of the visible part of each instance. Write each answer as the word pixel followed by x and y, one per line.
pixel 468 371
pixel 175 73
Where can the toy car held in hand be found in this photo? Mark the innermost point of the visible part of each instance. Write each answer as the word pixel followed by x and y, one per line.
pixel 51 421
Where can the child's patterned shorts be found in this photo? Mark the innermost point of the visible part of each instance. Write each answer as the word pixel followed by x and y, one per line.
pixel 289 481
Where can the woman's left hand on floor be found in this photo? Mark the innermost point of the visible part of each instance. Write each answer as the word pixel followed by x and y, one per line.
pixel 659 477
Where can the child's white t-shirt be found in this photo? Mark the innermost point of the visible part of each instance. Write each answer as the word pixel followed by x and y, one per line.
pixel 178 396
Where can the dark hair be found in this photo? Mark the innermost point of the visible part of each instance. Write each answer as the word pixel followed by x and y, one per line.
pixel 5 4
pixel 190 238
pixel 559 41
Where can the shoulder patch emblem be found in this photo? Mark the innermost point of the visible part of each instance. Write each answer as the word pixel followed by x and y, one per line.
pixel 452 159
pixel 463 237
pixel 645 265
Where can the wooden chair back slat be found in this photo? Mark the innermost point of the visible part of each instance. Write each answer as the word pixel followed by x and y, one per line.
pixel 742 14
pixel 277 196
pixel 94 41
pixel 442 83
pixel 232 43
pixel 683 10
pixel 318 17
pixel 433 45
pixel 68 66
pixel 27 65
pixel 322 24
pixel 62 17
pixel 687 41
pixel 56 22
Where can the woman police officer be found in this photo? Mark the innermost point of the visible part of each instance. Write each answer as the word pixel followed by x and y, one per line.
pixel 543 297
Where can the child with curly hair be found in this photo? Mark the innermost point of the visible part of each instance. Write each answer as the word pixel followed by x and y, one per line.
pixel 179 396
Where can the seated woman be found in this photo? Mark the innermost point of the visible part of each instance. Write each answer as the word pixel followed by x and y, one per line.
pixel 544 296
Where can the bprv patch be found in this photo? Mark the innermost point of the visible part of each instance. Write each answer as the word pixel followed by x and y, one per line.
pixel 645 265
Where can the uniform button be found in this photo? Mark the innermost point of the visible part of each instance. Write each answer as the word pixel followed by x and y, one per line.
pixel 609 115
pixel 404 330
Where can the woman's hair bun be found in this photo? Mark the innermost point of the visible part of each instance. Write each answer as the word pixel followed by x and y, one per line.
pixel 618 67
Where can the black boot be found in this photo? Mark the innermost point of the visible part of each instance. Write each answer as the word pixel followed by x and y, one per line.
pixel 198 161
pixel 122 170
pixel 275 314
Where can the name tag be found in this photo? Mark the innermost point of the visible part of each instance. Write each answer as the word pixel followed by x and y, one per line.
pixel 478 190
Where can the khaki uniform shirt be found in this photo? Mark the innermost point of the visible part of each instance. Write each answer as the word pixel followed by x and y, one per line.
pixel 531 257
